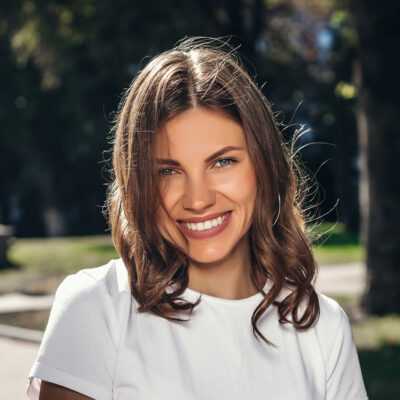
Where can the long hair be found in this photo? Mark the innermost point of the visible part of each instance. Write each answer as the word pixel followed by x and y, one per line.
pixel 201 73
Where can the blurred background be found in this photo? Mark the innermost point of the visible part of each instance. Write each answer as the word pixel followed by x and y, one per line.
pixel 328 67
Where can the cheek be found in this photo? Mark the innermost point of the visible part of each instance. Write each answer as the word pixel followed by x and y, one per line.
pixel 170 191
pixel 242 187
pixel 249 194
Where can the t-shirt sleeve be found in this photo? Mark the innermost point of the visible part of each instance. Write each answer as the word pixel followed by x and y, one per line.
pixel 344 378
pixel 78 350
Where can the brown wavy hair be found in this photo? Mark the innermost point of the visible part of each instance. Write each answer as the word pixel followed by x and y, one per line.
pixel 201 72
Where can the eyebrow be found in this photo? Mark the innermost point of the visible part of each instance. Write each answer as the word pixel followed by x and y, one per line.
pixel 208 159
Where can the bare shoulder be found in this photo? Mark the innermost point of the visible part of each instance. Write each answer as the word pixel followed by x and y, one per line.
pixel 51 391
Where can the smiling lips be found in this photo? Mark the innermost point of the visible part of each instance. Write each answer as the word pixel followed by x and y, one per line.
pixel 205 227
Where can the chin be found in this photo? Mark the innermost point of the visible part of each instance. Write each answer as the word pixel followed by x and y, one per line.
pixel 208 257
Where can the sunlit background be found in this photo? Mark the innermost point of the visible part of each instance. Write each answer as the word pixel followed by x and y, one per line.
pixel 328 67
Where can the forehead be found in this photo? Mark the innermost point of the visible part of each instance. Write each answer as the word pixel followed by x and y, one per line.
pixel 198 131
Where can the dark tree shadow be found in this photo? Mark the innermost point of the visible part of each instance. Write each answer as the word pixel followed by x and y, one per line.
pixel 8 265
pixel 381 371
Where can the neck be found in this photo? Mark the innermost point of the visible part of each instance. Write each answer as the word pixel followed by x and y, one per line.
pixel 227 278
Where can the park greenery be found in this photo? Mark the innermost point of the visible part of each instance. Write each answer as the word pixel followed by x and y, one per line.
pixel 68 63
pixel 329 70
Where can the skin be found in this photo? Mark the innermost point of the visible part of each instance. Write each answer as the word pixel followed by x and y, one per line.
pixel 219 265
pixel 51 391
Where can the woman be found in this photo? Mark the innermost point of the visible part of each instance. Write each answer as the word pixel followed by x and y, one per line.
pixel 213 296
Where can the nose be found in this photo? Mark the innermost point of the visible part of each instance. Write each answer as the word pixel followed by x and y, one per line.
pixel 198 195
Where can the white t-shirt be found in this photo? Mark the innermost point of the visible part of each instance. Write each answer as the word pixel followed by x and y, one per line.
pixel 96 343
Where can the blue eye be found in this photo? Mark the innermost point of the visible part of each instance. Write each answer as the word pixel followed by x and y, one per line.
pixel 166 171
pixel 225 162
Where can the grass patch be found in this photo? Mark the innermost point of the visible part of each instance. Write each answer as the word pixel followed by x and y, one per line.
pixel 333 234
pixel 39 265
pixel 372 333
pixel 62 254
pixel 333 245
pixel 338 254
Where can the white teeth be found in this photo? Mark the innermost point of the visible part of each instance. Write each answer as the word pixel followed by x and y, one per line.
pixel 201 226
pixel 207 225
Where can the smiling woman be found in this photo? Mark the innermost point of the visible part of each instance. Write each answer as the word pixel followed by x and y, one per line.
pixel 208 197
pixel 213 295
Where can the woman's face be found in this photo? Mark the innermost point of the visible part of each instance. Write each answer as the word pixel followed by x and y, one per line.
pixel 207 183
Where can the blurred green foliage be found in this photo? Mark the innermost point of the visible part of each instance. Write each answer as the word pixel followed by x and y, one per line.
pixel 333 244
pixel 333 234
pixel 66 64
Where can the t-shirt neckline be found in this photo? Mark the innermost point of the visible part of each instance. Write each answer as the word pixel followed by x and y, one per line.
pixel 193 295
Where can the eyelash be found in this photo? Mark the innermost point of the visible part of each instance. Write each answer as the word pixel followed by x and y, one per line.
pixel 169 171
pixel 230 159
pixel 162 172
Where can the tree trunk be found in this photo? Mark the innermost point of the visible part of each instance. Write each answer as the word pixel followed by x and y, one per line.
pixel 378 112
pixel 53 219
